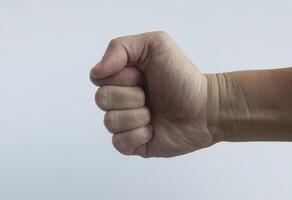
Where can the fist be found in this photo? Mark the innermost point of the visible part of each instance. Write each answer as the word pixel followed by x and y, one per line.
pixel 154 97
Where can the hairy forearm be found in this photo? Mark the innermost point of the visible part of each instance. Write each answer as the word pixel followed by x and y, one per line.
pixel 250 105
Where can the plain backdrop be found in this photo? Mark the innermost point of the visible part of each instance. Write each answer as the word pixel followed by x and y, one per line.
pixel 52 141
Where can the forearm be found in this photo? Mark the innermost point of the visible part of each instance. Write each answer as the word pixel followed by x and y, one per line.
pixel 250 105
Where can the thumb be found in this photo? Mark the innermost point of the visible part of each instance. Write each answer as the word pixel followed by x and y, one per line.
pixel 121 52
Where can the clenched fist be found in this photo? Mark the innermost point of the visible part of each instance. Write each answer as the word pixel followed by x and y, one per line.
pixel 154 97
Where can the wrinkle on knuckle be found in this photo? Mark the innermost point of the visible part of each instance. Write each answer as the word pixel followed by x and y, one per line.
pixel 146 135
pixel 101 98
pixel 161 35
pixel 141 95
pixel 159 42
pixel 121 145
pixel 109 121
pixel 147 114
pixel 114 42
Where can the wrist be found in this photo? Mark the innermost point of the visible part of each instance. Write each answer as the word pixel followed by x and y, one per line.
pixel 226 108
pixel 228 113
pixel 213 108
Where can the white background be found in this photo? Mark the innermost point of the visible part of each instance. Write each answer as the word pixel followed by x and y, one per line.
pixel 52 141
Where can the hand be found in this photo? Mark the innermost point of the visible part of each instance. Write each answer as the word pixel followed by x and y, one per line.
pixel 155 98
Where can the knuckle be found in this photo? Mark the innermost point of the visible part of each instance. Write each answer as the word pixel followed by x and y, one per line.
pixel 140 95
pixel 147 114
pixel 146 135
pixel 114 42
pixel 120 145
pixel 161 35
pixel 109 121
pixel 141 92
pixel 159 41
pixel 101 98
pixel 94 80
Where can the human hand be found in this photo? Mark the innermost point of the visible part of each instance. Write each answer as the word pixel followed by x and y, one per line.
pixel 154 97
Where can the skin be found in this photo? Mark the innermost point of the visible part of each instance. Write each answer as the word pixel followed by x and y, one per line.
pixel 158 104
